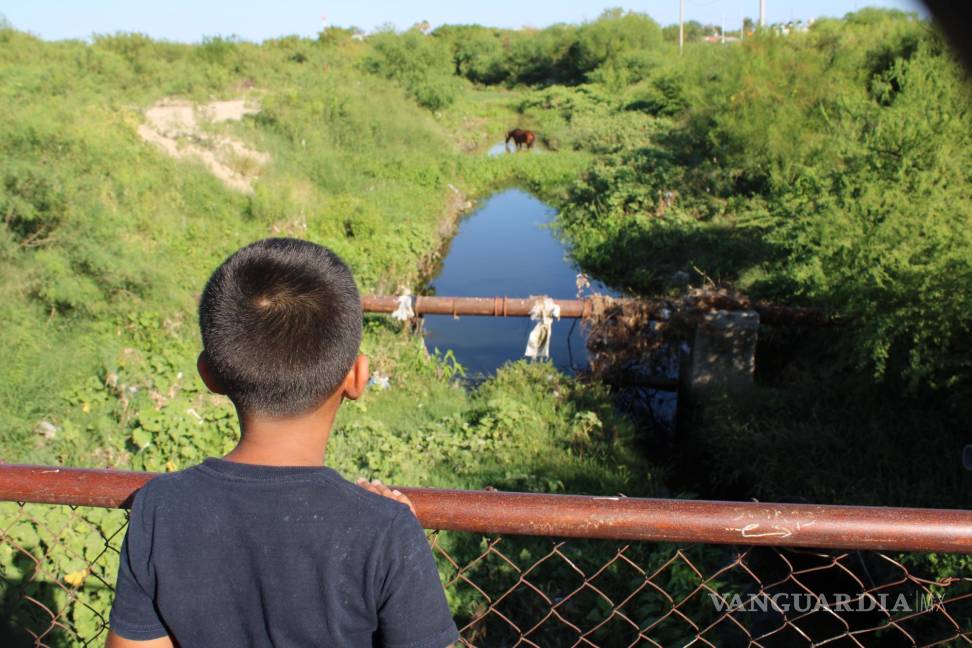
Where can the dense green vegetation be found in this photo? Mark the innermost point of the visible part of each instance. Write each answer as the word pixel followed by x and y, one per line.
pixel 826 168
pixel 107 241
pixel 823 147
pixel 830 169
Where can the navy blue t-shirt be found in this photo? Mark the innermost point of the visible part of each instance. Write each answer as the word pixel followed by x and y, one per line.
pixel 235 555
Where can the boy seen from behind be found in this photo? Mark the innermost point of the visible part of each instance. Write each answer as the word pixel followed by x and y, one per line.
pixel 267 546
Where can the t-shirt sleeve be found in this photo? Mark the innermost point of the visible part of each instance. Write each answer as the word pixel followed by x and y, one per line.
pixel 412 610
pixel 133 614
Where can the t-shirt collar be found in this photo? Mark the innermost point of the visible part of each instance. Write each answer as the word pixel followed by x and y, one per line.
pixel 237 470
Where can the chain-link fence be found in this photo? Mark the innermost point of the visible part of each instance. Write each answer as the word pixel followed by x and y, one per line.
pixel 545 592
pixel 58 562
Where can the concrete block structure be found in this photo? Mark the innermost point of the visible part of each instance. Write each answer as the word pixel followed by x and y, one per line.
pixel 722 356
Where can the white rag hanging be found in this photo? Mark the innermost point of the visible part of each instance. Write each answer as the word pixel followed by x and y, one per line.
pixel 583 283
pixel 404 312
pixel 543 313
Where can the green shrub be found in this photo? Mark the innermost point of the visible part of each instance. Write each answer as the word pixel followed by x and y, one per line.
pixel 842 156
pixel 418 62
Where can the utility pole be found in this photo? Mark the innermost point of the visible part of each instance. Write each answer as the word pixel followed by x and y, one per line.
pixel 762 13
pixel 722 30
pixel 681 25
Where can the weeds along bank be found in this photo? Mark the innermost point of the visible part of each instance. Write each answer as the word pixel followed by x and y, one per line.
pixel 107 242
pixel 825 167
pixel 828 167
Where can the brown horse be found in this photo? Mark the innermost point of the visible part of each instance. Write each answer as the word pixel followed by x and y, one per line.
pixel 521 137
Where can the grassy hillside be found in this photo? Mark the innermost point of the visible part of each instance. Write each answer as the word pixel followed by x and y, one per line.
pixel 108 242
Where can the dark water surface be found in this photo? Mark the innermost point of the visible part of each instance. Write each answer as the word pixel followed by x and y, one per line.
pixel 505 248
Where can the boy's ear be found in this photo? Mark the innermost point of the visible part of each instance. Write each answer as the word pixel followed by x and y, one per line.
pixel 357 379
pixel 207 375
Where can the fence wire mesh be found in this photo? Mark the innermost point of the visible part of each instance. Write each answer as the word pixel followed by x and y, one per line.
pixel 57 572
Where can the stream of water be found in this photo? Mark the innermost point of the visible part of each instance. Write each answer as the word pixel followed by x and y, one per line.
pixel 506 248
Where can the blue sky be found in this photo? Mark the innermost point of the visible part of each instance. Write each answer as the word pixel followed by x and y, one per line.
pixel 190 20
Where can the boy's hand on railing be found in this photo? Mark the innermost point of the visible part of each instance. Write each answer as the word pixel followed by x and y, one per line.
pixel 376 487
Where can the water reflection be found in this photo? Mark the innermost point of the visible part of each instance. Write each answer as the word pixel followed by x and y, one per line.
pixel 506 248
pixel 502 149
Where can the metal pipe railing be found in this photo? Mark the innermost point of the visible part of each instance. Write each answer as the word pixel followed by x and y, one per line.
pixel 482 306
pixel 582 308
pixel 577 516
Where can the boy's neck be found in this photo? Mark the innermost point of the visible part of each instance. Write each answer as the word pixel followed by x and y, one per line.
pixel 291 441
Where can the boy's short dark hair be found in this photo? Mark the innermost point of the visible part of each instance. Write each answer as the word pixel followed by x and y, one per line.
pixel 281 325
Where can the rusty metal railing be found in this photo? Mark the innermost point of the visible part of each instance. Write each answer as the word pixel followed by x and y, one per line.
pixel 480 306
pixel 771 314
pixel 560 570
pixel 575 516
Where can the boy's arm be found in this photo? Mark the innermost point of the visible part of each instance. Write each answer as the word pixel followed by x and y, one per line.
pixel 134 617
pixel 114 641
pixel 412 608
pixel 378 488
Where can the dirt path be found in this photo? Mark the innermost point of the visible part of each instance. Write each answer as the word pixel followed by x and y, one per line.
pixel 175 126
